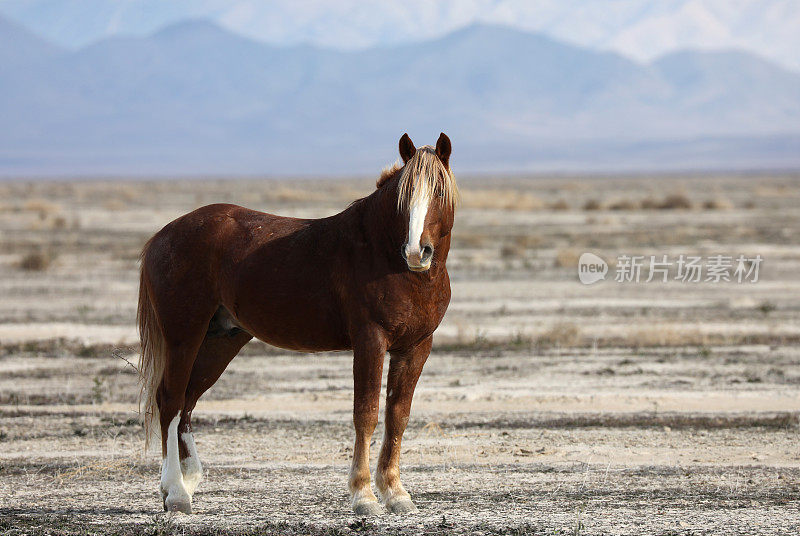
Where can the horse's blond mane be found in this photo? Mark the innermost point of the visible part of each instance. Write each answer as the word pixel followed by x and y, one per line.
pixel 424 167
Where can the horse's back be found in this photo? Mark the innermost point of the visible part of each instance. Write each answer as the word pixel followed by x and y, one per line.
pixel 198 252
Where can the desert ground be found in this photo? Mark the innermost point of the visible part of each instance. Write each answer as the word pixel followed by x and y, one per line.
pixel 547 406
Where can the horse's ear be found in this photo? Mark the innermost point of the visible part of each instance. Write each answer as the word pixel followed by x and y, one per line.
pixel 443 149
pixel 407 148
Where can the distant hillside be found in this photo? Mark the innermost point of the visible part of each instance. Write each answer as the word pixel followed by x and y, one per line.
pixel 637 29
pixel 19 47
pixel 194 98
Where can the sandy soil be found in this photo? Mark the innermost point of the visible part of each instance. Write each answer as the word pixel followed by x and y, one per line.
pixel 547 406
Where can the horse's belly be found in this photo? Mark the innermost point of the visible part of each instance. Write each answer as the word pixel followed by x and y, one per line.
pixel 296 323
pixel 308 340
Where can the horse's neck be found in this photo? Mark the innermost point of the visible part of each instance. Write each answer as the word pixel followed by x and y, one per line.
pixel 375 219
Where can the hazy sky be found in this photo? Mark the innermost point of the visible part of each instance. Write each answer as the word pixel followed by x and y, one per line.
pixel 640 29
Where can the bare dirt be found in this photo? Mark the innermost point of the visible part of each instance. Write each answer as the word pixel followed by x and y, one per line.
pixel 547 406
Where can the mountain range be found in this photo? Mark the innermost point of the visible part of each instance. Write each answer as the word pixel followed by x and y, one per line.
pixel 638 29
pixel 194 98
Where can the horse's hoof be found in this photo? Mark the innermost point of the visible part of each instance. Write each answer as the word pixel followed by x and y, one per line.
pixel 178 505
pixel 368 509
pixel 403 505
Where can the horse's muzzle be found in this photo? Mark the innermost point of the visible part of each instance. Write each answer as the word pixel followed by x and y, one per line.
pixel 417 259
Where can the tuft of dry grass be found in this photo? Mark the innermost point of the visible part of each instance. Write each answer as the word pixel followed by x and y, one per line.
pixel 567 258
pixel 592 204
pixel 561 204
pixel 719 203
pixel 676 202
pixel 561 334
pixel 623 204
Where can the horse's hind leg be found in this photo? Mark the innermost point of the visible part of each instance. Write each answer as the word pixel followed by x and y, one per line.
pixel 213 357
pixel 182 338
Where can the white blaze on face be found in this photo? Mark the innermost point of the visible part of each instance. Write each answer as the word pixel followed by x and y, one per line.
pixel 418 209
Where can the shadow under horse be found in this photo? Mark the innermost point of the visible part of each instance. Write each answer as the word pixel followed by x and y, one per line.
pixel 371 279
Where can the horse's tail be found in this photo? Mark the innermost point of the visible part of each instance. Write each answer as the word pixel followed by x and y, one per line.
pixel 153 355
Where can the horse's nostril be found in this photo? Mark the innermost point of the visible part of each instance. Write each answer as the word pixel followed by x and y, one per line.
pixel 427 253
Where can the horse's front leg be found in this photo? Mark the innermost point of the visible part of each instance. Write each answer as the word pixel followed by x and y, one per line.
pixel 368 352
pixel 404 370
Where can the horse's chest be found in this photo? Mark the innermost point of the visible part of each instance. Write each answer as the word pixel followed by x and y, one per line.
pixel 412 313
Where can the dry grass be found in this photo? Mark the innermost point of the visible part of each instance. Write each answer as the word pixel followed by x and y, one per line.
pixel 676 201
pixel 719 203
pixel 500 199
pixel 285 194
pixel 473 240
pixel 114 205
pixel 564 334
pixel 567 258
pixel 43 207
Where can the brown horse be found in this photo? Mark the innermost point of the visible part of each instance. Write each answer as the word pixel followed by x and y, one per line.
pixel 371 278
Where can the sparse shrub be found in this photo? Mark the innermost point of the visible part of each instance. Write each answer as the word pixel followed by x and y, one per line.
pixel 37 261
pixel 648 203
pixel 752 376
pixel 623 204
pixel 98 395
pixel 518 246
pixel 512 251
pixel 520 340
pixel 676 202
pixel 561 204
pixel 592 204
pixel 59 222
pixel 766 307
